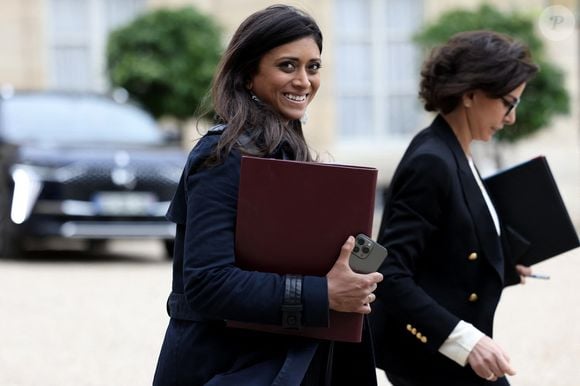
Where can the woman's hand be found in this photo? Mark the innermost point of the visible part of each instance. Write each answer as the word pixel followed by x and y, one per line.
pixel 523 271
pixel 489 360
pixel 349 291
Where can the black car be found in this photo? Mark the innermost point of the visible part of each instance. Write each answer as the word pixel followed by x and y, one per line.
pixel 82 166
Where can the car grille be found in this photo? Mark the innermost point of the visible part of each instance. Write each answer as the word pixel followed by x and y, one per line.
pixel 90 180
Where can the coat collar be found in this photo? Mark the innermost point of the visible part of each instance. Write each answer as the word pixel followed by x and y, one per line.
pixel 483 223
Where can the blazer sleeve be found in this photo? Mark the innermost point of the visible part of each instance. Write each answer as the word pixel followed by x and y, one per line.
pixel 414 212
pixel 213 285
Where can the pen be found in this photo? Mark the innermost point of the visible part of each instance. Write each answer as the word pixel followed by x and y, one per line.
pixel 538 276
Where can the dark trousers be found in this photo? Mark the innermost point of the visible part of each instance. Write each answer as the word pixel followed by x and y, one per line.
pixel 319 372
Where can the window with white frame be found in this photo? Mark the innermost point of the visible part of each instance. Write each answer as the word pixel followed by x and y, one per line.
pixel 377 68
pixel 77 31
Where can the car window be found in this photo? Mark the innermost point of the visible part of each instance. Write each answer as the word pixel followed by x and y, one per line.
pixel 54 118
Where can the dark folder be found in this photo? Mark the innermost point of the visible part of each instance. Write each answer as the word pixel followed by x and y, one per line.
pixel 293 217
pixel 529 203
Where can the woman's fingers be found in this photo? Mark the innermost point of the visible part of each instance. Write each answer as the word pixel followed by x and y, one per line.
pixel 489 360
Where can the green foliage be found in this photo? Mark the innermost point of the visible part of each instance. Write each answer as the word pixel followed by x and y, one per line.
pixel 544 97
pixel 165 59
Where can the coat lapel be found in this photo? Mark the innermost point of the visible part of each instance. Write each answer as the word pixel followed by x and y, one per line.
pixel 482 221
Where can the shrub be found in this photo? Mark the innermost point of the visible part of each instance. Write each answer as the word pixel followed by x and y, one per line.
pixel 165 59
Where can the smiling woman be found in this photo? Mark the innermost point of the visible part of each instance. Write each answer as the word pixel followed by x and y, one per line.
pixel 288 77
pixel 268 76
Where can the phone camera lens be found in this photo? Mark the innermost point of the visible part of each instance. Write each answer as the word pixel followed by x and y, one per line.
pixel 356 249
pixel 365 249
pixel 360 241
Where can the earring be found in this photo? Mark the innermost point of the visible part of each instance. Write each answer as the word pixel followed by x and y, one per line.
pixel 255 98
pixel 467 98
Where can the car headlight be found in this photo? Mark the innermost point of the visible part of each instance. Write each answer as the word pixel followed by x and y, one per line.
pixel 27 187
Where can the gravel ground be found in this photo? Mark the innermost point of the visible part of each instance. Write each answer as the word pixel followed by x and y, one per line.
pixel 71 319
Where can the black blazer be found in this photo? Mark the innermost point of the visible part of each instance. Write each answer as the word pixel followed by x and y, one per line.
pixel 208 288
pixel 446 262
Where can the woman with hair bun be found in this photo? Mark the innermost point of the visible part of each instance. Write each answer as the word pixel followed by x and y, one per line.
pixel 448 256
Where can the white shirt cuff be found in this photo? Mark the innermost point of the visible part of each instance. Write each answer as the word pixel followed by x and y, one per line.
pixel 460 342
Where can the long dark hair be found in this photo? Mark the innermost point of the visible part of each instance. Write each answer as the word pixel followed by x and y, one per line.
pixel 232 101
pixel 475 60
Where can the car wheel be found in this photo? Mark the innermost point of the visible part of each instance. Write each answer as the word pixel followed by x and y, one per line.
pixel 9 243
pixel 169 246
pixel 97 246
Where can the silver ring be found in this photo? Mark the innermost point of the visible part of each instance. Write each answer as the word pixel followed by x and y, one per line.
pixel 490 377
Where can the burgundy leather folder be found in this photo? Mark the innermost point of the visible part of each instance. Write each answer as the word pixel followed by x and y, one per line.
pixel 293 217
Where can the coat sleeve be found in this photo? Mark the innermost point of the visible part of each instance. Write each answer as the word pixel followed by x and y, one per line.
pixel 413 214
pixel 213 285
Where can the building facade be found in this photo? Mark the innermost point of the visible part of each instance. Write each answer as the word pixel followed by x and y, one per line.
pixel 367 108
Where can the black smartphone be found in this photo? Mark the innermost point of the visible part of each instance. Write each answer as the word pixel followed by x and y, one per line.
pixel 367 255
